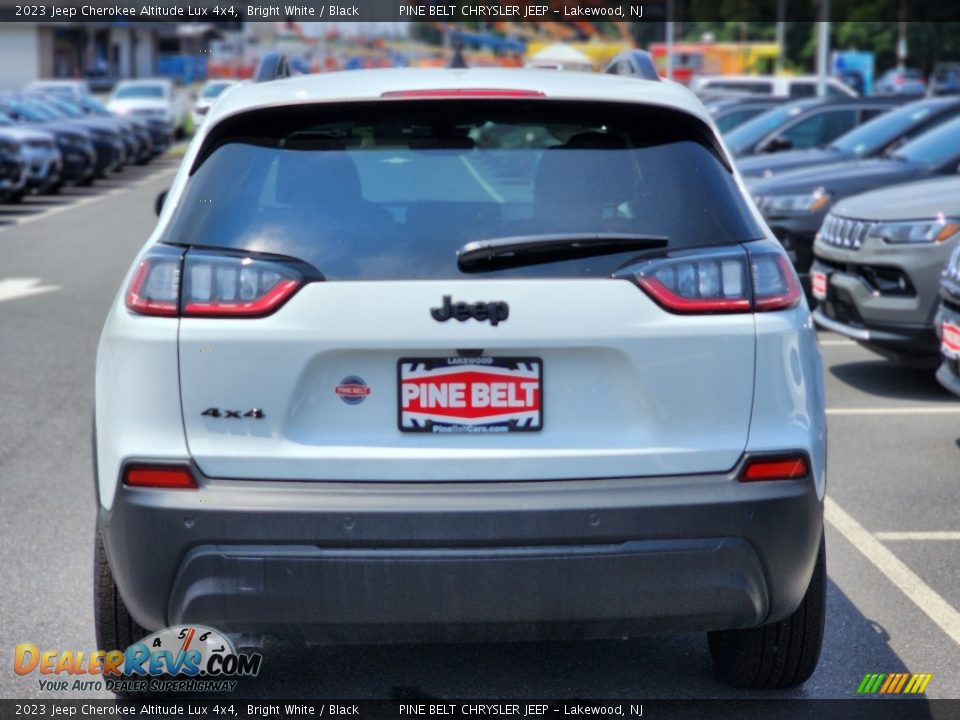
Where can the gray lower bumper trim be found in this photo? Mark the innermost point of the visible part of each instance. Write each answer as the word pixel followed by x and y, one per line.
pixel 856 333
pixel 344 595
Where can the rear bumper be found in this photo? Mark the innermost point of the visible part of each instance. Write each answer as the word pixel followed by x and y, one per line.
pixel 379 562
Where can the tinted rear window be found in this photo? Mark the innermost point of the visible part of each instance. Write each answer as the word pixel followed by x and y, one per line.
pixel 392 190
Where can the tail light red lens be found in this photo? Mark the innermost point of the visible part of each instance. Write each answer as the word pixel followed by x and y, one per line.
pixel 208 284
pixel 160 477
pixel 789 467
pixel 155 287
pixel 724 280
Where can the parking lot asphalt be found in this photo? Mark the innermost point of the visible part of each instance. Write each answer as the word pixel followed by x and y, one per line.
pixel 893 528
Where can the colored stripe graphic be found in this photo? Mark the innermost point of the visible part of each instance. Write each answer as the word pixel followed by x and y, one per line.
pixel 894 683
pixel 918 683
pixel 870 683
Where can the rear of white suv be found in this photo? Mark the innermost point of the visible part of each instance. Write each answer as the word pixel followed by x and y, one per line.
pixel 484 355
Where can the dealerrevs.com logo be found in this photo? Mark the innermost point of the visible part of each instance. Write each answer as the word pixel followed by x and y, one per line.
pixel 183 658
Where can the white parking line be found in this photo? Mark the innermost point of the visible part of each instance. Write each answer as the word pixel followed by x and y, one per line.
pixel 932 410
pixel 921 594
pixel 13 288
pixel 928 535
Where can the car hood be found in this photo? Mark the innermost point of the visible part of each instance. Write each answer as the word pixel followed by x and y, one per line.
pixel 843 178
pixel 21 133
pixel 770 164
pixel 64 126
pixel 912 201
pixel 122 106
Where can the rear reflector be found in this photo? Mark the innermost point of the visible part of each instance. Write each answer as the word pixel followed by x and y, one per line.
pixel 160 477
pixel 463 93
pixel 775 468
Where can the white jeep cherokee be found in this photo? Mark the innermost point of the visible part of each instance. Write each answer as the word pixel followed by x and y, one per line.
pixel 421 355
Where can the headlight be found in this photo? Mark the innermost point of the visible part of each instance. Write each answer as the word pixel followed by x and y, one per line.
pixel 801 203
pixel 916 231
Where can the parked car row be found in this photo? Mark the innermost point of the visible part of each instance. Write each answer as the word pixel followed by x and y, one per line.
pixel 54 133
pixel 870 219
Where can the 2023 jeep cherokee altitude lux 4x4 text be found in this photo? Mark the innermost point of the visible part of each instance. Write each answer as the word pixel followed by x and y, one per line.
pixel 463 355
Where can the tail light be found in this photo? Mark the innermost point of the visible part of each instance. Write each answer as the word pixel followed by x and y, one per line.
pixel 728 280
pixel 208 284
pixel 160 476
pixel 786 467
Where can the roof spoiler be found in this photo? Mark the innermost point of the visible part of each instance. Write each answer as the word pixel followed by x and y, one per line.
pixel 273 66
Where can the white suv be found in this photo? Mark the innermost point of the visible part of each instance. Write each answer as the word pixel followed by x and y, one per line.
pixel 785 86
pixel 155 98
pixel 485 354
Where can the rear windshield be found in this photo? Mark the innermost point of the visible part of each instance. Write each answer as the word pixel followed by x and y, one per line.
pixel 392 190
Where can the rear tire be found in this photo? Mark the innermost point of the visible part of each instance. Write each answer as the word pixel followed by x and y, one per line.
pixel 781 654
pixel 116 630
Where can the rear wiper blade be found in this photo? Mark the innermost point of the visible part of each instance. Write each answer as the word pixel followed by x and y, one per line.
pixel 519 250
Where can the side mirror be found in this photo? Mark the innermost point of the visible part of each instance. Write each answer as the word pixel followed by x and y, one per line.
pixel 158 203
pixel 777 144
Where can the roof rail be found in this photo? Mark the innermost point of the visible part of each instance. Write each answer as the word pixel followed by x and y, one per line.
pixel 273 66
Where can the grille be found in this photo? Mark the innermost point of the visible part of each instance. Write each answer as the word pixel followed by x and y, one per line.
pixel 40 144
pixel 8 148
pixel 844 233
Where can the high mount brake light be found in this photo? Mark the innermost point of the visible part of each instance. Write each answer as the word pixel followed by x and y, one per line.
pixel 787 467
pixel 719 281
pixel 209 284
pixel 463 93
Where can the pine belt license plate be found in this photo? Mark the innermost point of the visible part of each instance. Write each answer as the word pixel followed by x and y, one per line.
pixel 950 340
pixel 470 394
pixel 818 284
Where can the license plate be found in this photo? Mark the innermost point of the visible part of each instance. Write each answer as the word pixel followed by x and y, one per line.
pixel 950 339
pixel 818 283
pixel 470 394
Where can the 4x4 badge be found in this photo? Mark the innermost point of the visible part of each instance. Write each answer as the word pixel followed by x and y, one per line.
pixel 494 312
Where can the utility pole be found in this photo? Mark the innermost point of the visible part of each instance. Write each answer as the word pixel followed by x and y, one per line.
pixel 902 36
pixel 823 47
pixel 669 39
pixel 781 27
